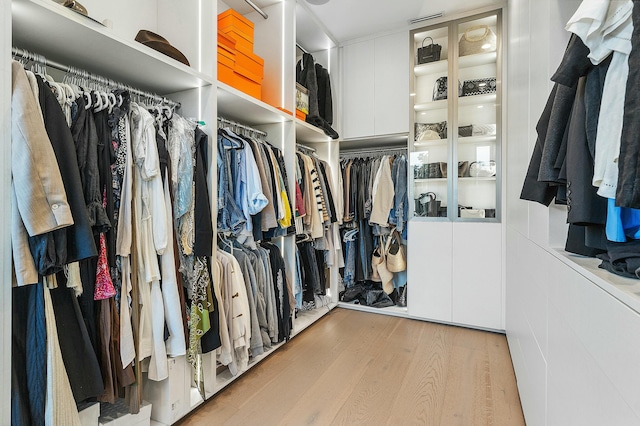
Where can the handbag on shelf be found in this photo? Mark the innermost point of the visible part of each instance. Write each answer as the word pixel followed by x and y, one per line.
pixel 395 252
pixel 440 89
pixel 478 39
pixel 479 86
pixel 430 131
pixel 482 169
pixel 465 131
pixel 435 170
pixel 430 53
pixel 427 205
pixel 472 213
pixel 483 129
pixel 463 166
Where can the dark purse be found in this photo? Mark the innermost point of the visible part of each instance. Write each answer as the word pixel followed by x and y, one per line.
pixel 429 53
pixel 479 87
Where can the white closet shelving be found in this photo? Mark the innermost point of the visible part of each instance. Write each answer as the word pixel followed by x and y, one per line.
pixel 47 28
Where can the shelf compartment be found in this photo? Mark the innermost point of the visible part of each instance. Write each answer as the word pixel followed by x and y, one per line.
pixel 238 106
pixel 308 133
pixel 466 101
pixel 431 106
pixel 477 60
pixel 437 67
pixel 461 140
pixel 463 179
pixel 83 42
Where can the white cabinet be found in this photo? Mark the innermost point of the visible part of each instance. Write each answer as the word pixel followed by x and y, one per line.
pixel 376 87
pixel 455 273
pixel 358 90
pixel 455 235
pixel 430 265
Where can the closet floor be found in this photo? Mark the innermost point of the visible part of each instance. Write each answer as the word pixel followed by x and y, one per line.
pixel 359 368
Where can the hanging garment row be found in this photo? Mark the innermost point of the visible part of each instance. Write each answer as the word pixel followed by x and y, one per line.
pixel 318 207
pixel 587 147
pixel 112 236
pixel 375 219
pixel 256 205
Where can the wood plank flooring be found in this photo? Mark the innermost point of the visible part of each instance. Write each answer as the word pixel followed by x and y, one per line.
pixel 356 368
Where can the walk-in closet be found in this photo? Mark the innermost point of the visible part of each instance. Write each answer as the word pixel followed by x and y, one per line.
pixel 319 211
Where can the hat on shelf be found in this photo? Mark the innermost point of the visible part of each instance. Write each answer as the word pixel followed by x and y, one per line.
pixel 159 43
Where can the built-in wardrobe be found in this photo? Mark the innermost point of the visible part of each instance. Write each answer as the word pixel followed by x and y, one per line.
pixel 393 97
pixel 104 45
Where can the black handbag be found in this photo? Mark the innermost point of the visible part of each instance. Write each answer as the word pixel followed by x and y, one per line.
pixel 430 53
pixel 479 87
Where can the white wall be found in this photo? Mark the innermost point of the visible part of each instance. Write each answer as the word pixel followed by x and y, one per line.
pixel 575 348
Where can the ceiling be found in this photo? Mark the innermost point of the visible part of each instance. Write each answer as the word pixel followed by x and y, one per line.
pixel 351 19
pixel 346 20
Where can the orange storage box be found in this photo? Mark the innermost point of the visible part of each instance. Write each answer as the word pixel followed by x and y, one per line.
pixel 241 41
pixel 226 41
pixel 301 115
pixel 237 26
pixel 252 64
pixel 247 85
pixel 226 64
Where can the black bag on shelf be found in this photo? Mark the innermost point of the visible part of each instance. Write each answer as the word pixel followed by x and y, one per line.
pixel 480 86
pixel 430 53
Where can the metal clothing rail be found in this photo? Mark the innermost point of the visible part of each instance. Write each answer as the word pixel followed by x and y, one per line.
pixel 301 48
pixel 301 147
pixel 373 152
pixel 235 124
pixel 257 9
pixel 86 75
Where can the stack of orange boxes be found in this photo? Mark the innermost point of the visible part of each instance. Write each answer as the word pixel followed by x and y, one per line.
pixel 238 66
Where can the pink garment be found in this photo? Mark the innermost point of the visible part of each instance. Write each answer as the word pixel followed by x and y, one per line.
pixel 104 286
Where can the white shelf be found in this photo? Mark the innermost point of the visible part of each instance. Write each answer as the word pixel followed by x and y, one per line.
pixel 395 311
pixel 437 67
pixel 461 140
pixel 75 40
pixel 463 179
pixel 307 318
pixel 477 60
pixel 238 106
pixel 476 139
pixel 431 106
pixel 307 133
pixel 465 101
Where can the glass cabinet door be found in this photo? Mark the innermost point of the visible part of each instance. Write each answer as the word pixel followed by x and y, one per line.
pixel 477 114
pixel 430 147
pixel 455 144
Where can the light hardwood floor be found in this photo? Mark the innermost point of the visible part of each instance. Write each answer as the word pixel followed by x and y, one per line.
pixel 355 368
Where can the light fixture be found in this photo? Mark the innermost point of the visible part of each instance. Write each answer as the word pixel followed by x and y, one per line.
pixel 317 2
pixel 425 18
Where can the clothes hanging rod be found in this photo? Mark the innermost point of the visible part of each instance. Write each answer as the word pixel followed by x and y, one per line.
pixel 41 59
pixel 301 48
pixel 232 123
pixel 305 148
pixel 362 153
pixel 257 9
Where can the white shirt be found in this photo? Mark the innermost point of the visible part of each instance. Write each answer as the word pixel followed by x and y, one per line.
pixel 606 27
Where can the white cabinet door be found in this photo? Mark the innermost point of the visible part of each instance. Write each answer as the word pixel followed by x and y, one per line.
pixel 429 260
pixel 391 89
pixel 358 93
pixel 477 274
